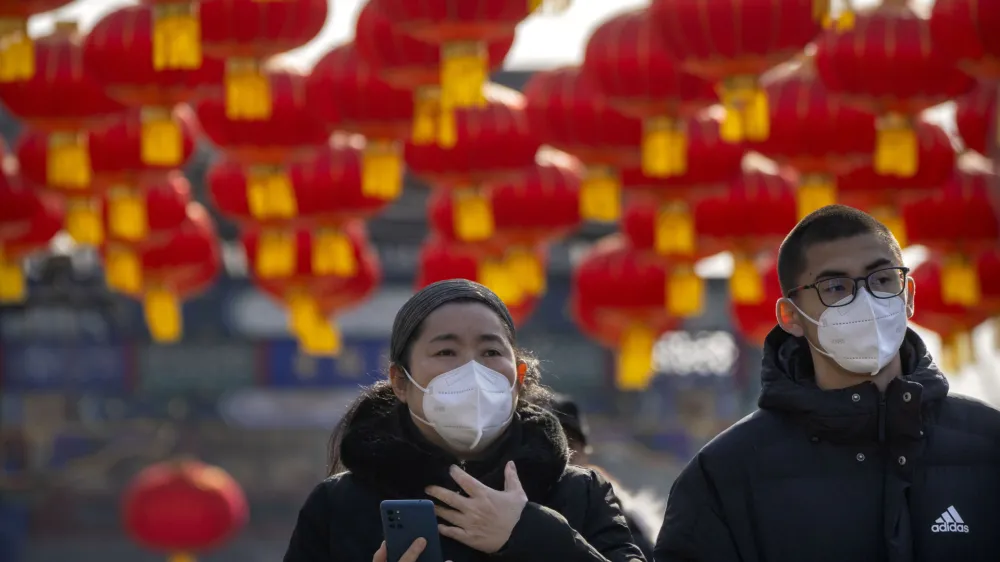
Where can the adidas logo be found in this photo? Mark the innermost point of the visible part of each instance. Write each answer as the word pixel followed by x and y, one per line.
pixel 949 522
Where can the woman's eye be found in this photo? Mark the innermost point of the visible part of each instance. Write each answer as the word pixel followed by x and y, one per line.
pixel 445 352
pixel 492 353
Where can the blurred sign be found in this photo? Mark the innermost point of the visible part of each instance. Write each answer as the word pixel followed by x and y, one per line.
pixel 52 322
pixel 196 367
pixel 286 409
pixel 64 366
pixel 360 362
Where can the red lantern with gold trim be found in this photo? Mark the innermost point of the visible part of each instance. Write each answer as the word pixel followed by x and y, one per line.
pixel 28 226
pixel 888 65
pixel 976 117
pixel 754 321
pixel 182 507
pixel 17 52
pixel 641 79
pixel 961 29
pixel 569 112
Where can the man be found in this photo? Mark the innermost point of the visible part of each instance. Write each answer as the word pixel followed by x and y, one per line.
pixel 857 452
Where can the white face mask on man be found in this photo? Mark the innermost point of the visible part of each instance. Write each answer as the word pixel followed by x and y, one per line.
pixel 863 336
pixel 469 407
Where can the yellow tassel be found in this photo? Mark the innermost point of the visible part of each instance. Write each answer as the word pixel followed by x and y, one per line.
pixel 896 147
pixel 894 222
pixel 960 282
pixel 472 215
pixel 84 222
pixel 821 10
pixel 426 106
pixel 13 288
pixel 447 130
pixel 176 37
pixel 757 117
pixel 527 269
pixel 123 270
pixel 600 195
pixel 957 352
pixel 464 70
pixel 181 557
pixel 270 193
pixel 846 20
pixel 675 232
pixel 746 285
pixel 276 254
pixel 382 170
pixel 815 192
pixel 163 315
pixel 248 91
pixel 747 113
pixel 635 358
pixel 685 292
pixel 162 143
pixel 497 276
pixel 303 313
pixel 17 51
pixel 68 162
pixel 333 254
pixel 321 340
pixel 664 148
pixel 127 214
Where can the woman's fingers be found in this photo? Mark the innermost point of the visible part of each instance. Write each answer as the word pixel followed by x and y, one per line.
pixel 380 554
pixel 414 551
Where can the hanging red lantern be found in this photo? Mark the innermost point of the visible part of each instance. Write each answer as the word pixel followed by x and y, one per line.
pixel 960 28
pixel 887 65
pixel 18 204
pixel 754 321
pixel 988 268
pixel 17 50
pixel 641 79
pixel 344 91
pixel 568 112
pixel 619 299
pixel 976 116
pixel 730 55
pixel 492 142
pixel 22 238
pixel 182 507
pixel 752 219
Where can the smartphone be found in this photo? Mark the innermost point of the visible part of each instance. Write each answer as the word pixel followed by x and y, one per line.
pixel 404 521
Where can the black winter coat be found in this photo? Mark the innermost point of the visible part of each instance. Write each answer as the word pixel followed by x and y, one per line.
pixel 572 513
pixel 911 475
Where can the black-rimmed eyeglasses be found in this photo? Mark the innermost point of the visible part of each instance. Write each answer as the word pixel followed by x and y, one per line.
pixel 841 291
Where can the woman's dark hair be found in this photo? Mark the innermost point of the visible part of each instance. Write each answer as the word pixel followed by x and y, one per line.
pixel 406 329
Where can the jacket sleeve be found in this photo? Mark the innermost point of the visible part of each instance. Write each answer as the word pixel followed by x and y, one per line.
pixel 694 528
pixel 543 535
pixel 310 540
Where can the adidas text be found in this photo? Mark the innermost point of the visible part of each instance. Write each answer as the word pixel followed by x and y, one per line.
pixel 949 528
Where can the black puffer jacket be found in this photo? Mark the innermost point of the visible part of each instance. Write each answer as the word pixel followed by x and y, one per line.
pixel 572 514
pixel 911 475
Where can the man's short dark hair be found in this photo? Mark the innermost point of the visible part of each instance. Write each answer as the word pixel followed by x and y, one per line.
pixel 833 222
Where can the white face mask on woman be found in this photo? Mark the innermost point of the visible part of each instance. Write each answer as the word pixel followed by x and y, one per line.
pixel 469 407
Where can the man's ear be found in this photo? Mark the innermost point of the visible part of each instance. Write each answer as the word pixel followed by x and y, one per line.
pixel 911 292
pixel 399 382
pixel 789 317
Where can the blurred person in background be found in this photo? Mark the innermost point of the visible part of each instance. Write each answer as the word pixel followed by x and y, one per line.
pixel 643 511
pixel 857 452
pixel 495 462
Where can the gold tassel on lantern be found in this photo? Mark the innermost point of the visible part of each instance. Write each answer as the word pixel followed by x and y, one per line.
pixel 176 36
pixel 685 292
pixel 675 233
pixel 248 91
pixel 635 358
pixel 426 106
pixel 333 254
pixel 747 113
pixel 13 288
pixel 960 281
pixel 123 270
pixel 464 70
pixel 891 218
pixel 270 193
pixel 746 285
pixel 162 143
pixel 317 336
pixel 163 315
pixel 382 170
pixel 664 148
pixel 322 340
pixel 472 214
pixel 496 275
pixel 17 51
pixel 896 147
pixel 84 222
pixel 303 313
pixel 276 254
pixel 600 195
pixel 127 218
pixel 527 269
pixel 68 161
pixel 957 352
pixel 815 192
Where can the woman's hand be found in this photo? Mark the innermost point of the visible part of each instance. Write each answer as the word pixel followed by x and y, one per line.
pixel 410 555
pixel 485 519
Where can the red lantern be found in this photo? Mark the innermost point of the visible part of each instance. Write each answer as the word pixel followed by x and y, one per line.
pixel 887 65
pixel 568 111
pixel 756 320
pixel 182 507
pixel 975 115
pixel 619 299
pixel 492 142
pixel 743 39
pixel 988 268
pixel 961 29
pixel 28 221
pixel 641 79
pixel 16 47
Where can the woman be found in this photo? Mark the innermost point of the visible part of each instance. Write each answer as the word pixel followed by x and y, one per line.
pixel 494 463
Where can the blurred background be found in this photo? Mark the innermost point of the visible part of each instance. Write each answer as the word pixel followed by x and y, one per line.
pixel 139 185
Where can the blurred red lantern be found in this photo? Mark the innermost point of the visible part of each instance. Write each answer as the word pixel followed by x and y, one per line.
pixel 28 221
pixel 961 29
pixel 245 32
pixel 619 300
pixel 728 53
pixel 182 507
pixel 988 268
pixel 976 118
pixel 641 79
pixel 887 65
pixel 569 112
pixel 16 47
pixel 756 320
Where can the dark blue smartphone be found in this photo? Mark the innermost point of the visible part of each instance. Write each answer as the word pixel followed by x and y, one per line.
pixel 404 521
